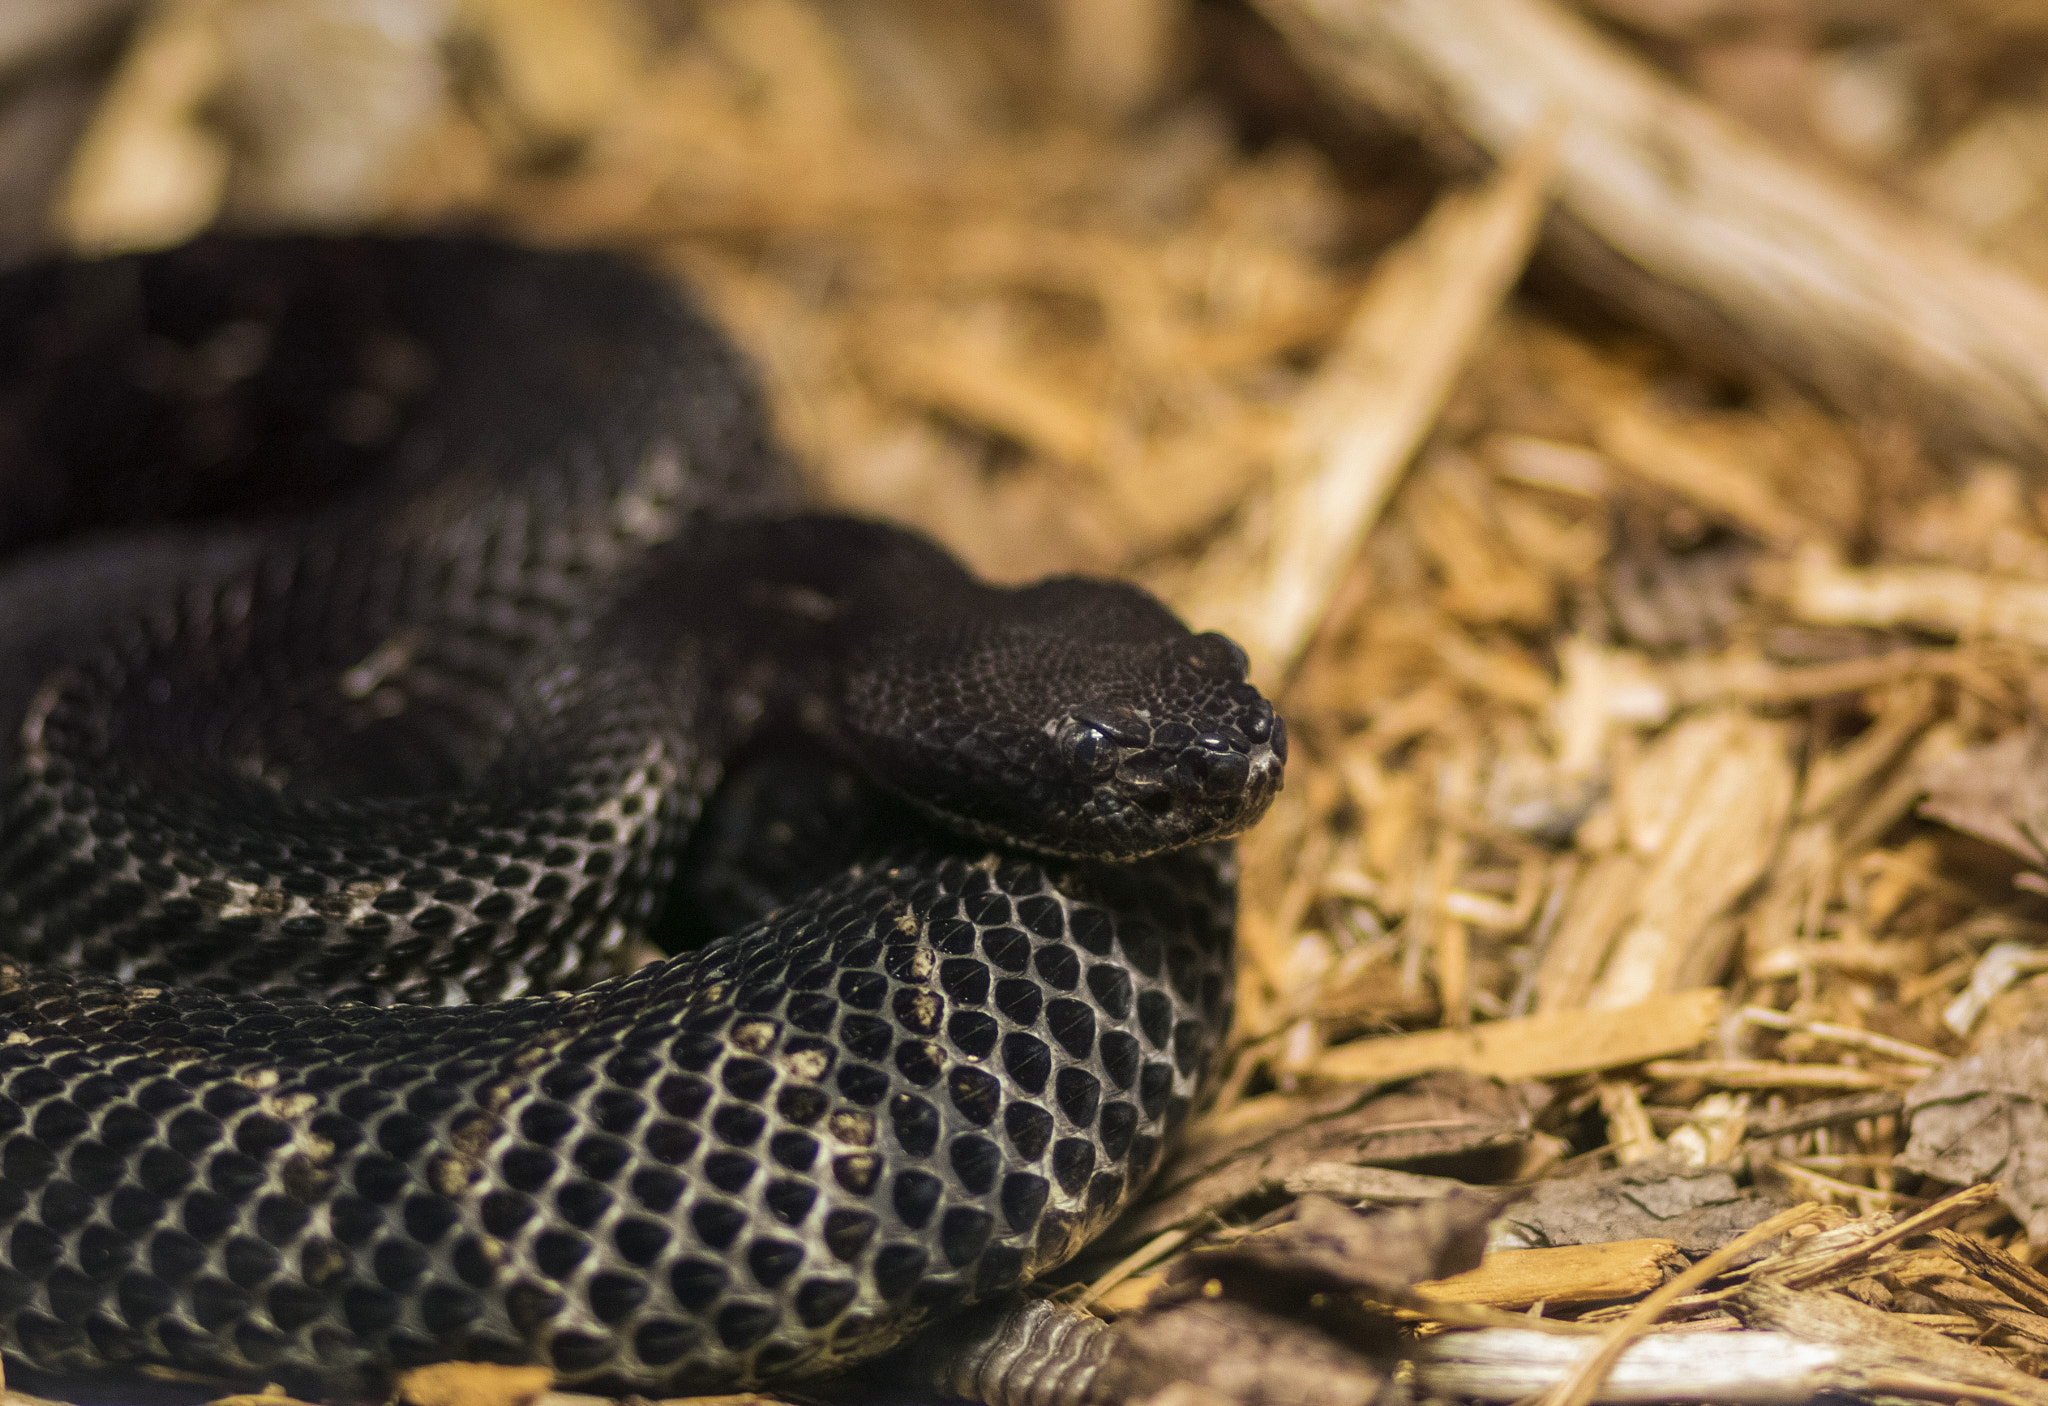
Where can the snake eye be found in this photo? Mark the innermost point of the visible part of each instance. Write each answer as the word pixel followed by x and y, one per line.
pixel 1088 750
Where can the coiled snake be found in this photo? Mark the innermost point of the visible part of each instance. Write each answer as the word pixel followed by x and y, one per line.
pixel 379 621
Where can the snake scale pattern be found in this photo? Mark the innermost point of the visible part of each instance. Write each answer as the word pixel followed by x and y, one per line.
pixel 389 628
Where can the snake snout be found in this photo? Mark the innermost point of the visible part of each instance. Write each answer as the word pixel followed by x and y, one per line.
pixel 1227 764
pixel 1211 768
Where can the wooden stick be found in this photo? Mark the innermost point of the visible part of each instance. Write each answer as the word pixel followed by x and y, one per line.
pixel 1696 223
pixel 1745 1369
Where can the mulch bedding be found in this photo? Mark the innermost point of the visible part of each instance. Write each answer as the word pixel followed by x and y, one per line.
pixel 1664 830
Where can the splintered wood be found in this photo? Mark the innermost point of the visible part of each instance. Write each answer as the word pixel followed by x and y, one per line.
pixel 1536 1047
pixel 1570 1274
pixel 1845 290
pixel 1635 530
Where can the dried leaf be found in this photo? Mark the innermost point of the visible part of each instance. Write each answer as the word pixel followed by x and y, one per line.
pixel 1985 1117
pixel 1219 1322
pixel 1996 792
pixel 1358 1186
pixel 1698 1209
pixel 1437 1116
pixel 1324 1247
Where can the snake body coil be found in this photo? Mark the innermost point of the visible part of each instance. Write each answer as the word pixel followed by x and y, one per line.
pixel 378 620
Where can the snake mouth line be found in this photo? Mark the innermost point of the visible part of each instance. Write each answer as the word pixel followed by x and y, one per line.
pixel 1129 823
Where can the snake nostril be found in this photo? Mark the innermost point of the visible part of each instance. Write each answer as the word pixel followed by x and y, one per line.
pixel 1225 773
pixel 1213 772
pixel 1259 725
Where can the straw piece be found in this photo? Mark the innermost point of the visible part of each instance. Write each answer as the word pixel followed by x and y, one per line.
pixel 1705 806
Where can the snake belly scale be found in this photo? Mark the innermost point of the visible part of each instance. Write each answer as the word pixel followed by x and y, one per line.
pixel 379 621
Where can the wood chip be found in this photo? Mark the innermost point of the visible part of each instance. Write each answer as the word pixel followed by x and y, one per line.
pixel 1962 603
pixel 1514 1364
pixel 1570 1274
pixel 1538 1047
pixel 1882 1347
pixel 474 1384
pixel 1705 807
pixel 148 172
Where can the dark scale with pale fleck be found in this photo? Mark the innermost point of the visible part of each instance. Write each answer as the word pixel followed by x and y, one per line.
pixel 780 1153
pixel 282 796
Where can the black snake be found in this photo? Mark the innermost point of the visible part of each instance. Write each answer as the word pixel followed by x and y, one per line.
pixel 383 625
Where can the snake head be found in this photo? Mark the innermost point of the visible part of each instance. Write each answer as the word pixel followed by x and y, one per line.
pixel 1074 717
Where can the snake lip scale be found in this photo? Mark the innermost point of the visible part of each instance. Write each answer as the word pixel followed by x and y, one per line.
pixel 391 631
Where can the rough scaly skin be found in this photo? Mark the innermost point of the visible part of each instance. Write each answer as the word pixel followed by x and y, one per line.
pixel 425 716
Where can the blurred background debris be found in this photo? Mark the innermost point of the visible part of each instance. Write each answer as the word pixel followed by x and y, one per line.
pixel 1616 430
